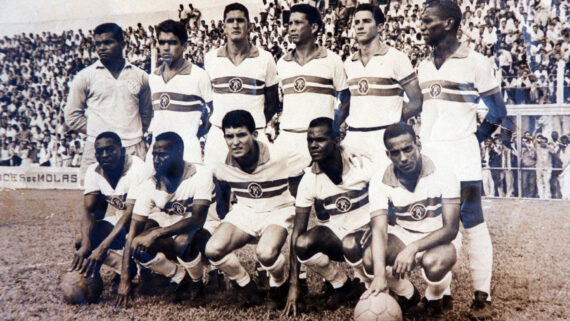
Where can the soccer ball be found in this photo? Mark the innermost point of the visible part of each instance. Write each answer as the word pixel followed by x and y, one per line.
pixel 381 307
pixel 78 289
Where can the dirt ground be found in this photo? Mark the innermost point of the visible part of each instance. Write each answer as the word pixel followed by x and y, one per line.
pixel 530 280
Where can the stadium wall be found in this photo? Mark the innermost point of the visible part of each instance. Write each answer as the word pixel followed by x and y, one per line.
pixel 39 177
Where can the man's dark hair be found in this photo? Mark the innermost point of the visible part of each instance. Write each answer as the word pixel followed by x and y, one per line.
pixel 175 140
pixel 112 135
pixel 376 12
pixel 110 27
pixel 236 6
pixel 325 121
pixel 311 13
pixel 174 27
pixel 238 118
pixel 399 129
pixel 447 9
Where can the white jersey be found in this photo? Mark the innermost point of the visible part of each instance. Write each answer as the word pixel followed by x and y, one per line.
pixel 263 190
pixel 418 210
pixel 195 187
pixel 376 90
pixel 242 86
pixel 451 94
pixel 133 174
pixel 345 204
pixel 309 91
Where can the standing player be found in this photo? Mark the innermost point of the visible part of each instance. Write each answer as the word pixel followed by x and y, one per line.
pixel 311 77
pixel 168 219
pixel 453 80
pixel 108 182
pixel 378 76
pixel 257 175
pixel 110 95
pixel 181 91
pixel 243 77
pixel 337 186
pixel 424 200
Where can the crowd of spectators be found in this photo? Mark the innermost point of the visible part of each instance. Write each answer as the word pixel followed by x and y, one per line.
pixel 527 40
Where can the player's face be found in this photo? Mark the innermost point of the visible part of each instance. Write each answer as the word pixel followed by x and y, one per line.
pixel 240 141
pixel 108 48
pixel 320 143
pixel 404 153
pixel 108 153
pixel 169 47
pixel 432 27
pixel 163 156
pixel 365 26
pixel 300 30
pixel 236 26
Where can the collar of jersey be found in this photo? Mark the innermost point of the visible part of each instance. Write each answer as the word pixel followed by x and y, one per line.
pixel 263 156
pixel 322 53
pixel 381 51
pixel 347 161
pixel 126 167
pixel 99 65
pixel 189 171
pixel 185 69
pixel 461 52
pixel 252 53
pixel 391 179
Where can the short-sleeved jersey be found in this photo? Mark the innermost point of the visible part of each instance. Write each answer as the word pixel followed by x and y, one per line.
pixel 263 190
pixel 195 187
pixel 133 174
pixel 242 86
pixel 452 92
pixel 309 91
pixel 376 90
pixel 418 210
pixel 349 198
pixel 178 104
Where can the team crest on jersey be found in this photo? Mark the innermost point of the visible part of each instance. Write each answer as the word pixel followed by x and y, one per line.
pixel 418 212
pixel 235 85
pixel 164 101
pixel 343 204
pixel 255 190
pixel 435 90
pixel 299 84
pixel 117 202
pixel 133 86
pixel 177 208
pixel 363 86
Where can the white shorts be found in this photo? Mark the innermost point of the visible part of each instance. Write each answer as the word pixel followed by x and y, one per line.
pixel 371 142
pixel 211 224
pixel 462 157
pixel 113 219
pixel 216 149
pixel 297 150
pixel 408 237
pixel 344 224
pixel 254 223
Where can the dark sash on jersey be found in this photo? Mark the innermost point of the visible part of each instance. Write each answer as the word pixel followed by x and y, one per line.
pixel 343 203
pixel 259 189
pixel 306 84
pixel 433 89
pixel 117 201
pixel 238 85
pixel 361 87
pixel 176 102
pixel 417 211
pixel 179 207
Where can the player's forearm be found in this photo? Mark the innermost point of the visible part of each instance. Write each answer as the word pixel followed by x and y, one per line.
pixel 123 223
pixel 183 226
pixel 271 102
pixel 135 228
pixel 87 225
pixel 379 243
pixel 444 235
pixel 414 106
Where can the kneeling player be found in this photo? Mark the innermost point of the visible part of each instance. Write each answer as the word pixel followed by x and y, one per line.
pixel 337 185
pixel 169 214
pixel 425 202
pixel 258 177
pixel 106 182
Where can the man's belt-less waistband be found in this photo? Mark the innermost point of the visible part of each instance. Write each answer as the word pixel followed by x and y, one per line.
pixel 366 129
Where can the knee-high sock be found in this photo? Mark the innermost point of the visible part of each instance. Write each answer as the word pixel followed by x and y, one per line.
pixel 232 267
pixel 480 250
pixel 321 264
pixel 114 260
pixel 358 269
pixel 163 266
pixel 195 268
pixel 402 287
pixel 276 272
pixel 436 289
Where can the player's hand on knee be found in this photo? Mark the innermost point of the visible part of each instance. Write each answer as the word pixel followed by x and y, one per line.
pixel 405 261
pixel 79 258
pixel 378 285
pixel 292 299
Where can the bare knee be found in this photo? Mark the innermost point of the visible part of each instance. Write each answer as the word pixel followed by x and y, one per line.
pixel 303 245
pixel 266 255
pixel 367 261
pixel 351 248
pixel 215 249
pixel 437 264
